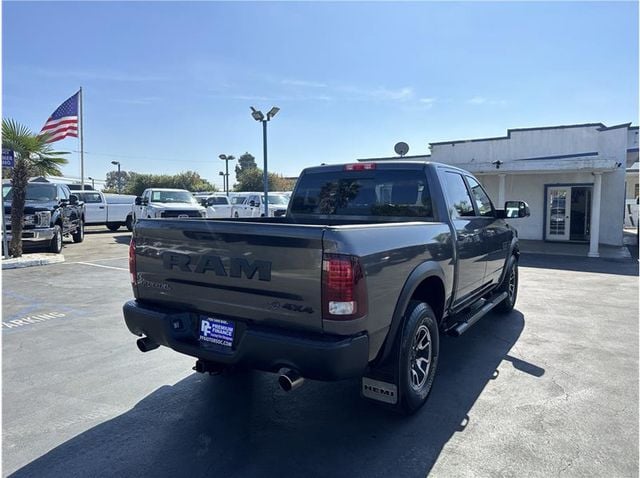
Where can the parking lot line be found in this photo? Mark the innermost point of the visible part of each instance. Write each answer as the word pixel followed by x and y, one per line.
pixel 103 266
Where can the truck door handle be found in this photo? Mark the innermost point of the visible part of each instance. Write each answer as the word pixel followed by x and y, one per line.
pixel 101 207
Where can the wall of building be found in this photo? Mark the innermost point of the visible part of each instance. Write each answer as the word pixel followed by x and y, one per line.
pixel 522 144
pixel 592 140
pixel 531 187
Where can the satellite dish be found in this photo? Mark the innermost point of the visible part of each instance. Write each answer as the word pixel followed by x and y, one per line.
pixel 401 148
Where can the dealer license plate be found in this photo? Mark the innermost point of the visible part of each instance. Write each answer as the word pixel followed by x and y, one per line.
pixel 217 331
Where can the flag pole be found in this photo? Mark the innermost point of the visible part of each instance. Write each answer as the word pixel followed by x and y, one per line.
pixel 81 145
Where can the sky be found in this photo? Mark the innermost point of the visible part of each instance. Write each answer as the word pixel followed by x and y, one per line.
pixel 168 85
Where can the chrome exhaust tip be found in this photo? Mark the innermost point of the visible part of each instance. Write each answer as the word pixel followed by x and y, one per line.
pixel 290 380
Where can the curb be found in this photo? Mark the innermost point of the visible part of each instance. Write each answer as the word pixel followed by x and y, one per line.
pixel 31 260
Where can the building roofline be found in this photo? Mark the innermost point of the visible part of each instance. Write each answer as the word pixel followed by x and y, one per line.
pixel 622 125
pixel 600 126
pixel 396 158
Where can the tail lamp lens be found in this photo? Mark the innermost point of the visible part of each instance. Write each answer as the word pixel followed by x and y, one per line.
pixel 344 291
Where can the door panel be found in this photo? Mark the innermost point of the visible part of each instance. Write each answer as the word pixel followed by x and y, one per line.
pixel 472 252
pixel 558 213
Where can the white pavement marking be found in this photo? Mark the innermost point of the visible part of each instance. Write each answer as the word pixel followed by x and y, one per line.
pixel 100 265
pixel 32 319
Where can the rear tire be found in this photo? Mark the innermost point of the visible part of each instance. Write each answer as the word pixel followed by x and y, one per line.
pixel 510 286
pixel 78 235
pixel 113 226
pixel 55 245
pixel 129 223
pixel 418 356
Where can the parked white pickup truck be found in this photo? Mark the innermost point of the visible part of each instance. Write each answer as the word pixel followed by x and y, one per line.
pixel 217 205
pixel 253 205
pixel 111 210
pixel 163 202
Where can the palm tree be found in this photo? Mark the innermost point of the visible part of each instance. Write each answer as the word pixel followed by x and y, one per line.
pixel 33 156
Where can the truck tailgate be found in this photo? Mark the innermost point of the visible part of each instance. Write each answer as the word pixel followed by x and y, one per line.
pixel 264 273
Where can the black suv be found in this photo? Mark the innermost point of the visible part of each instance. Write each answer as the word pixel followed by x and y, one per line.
pixel 51 211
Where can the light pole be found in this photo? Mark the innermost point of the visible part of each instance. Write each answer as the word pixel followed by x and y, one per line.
pixel 93 182
pixel 258 116
pixel 224 182
pixel 226 160
pixel 117 163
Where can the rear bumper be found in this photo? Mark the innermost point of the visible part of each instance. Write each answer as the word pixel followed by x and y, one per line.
pixel 315 356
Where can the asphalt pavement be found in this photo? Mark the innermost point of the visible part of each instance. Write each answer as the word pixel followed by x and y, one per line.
pixel 549 390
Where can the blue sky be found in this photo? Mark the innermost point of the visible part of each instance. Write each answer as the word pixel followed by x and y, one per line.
pixel 168 85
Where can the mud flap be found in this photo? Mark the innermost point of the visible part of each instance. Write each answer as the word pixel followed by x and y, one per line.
pixel 380 383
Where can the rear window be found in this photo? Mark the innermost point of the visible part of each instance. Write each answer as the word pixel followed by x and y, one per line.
pixel 217 200
pixel 363 193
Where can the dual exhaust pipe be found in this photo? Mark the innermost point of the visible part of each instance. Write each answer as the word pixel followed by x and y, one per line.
pixel 288 380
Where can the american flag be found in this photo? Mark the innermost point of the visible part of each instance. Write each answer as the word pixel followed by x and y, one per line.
pixel 64 121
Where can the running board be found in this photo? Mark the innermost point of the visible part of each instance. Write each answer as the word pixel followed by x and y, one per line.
pixel 461 327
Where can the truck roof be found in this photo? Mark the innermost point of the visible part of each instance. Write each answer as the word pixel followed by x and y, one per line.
pixel 383 164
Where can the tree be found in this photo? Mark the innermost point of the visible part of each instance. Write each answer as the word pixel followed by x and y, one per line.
pixel 137 183
pixel 252 180
pixel 111 183
pixel 245 162
pixel 33 157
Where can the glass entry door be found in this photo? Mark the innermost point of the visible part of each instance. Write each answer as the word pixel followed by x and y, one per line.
pixel 558 213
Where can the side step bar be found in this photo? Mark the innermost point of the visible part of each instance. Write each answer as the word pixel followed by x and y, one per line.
pixel 461 327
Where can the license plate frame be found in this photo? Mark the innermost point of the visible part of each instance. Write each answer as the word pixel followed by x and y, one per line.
pixel 214 331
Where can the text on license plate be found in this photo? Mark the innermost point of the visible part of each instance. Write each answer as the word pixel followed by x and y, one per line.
pixel 216 331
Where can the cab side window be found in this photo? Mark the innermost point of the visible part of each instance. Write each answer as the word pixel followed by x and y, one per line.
pixel 459 200
pixel 483 203
pixel 62 193
pixel 92 198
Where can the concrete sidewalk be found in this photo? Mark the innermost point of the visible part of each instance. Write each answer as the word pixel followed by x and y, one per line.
pixel 572 249
pixel 30 260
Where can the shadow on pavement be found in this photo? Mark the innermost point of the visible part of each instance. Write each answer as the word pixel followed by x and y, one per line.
pixel 244 425
pixel 626 267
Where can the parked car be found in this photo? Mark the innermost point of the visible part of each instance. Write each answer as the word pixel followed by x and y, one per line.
pixel 372 262
pixel 164 202
pixel 111 210
pixel 253 206
pixel 51 212
pixel 217 205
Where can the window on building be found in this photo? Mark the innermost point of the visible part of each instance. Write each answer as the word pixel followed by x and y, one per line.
pixel 460 204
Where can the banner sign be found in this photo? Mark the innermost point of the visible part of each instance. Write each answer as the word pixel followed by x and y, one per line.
pixel 7 158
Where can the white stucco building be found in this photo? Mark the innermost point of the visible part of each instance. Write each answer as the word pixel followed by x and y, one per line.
pixel 572 177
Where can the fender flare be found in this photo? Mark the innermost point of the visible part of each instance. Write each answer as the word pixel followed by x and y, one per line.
pixel 514 250
pixel 418 275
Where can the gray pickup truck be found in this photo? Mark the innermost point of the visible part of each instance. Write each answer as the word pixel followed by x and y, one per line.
pixel 372 262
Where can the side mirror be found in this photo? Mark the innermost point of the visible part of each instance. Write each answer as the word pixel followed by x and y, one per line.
pixel 138 201
pixel 516 209
pixel 64 202
pixel 252 203
pixel 204 202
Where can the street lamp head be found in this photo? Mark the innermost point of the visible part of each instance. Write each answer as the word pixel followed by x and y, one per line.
pixel 220 173
pixel 222 157
pixel 272 112
pixel 257 115
pixel 116 163
pixel 89 178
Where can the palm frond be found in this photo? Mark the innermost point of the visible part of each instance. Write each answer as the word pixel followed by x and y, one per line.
pixel 41 159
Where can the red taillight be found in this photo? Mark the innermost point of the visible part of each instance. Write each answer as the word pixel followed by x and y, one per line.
pixel 359 166
pixel 344 294
pixel 132 261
